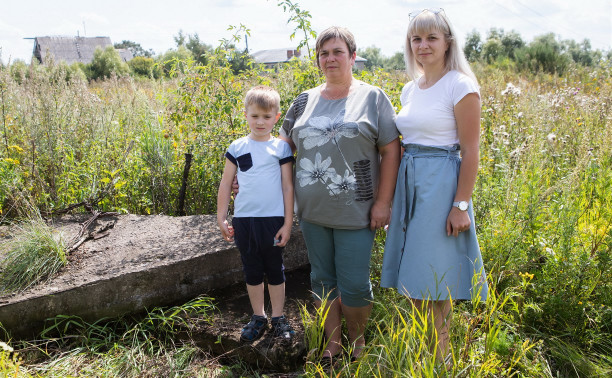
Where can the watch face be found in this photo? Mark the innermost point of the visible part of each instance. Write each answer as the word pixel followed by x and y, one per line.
pixel 463 205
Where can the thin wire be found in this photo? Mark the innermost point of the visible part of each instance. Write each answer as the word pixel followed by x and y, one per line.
pixel 573 31
pixel 543 18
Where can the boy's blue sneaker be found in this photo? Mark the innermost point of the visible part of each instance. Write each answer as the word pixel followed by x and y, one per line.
pixel 282 328
pixel 254 329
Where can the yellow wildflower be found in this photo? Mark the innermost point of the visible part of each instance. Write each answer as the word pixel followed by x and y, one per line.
pixel 16 148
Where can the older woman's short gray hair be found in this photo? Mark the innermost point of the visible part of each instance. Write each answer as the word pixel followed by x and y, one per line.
pixel 336 32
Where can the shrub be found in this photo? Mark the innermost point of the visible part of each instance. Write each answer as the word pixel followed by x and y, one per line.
pixel 143 66
pixel 174 60
pixel 543 54
pixel 106 62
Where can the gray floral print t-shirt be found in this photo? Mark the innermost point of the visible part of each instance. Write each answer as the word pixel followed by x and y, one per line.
pixel 337 163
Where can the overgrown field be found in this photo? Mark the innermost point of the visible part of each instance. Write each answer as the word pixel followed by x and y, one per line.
pixel 543 205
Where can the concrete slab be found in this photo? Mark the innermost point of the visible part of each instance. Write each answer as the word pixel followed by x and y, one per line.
pixel 143 262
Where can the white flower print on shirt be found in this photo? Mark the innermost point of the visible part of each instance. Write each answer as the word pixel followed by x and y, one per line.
pixel 342 184
pixel 319 171
pixel 321 131
pixel 324 130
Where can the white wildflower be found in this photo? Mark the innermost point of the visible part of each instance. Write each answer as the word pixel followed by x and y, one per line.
pixel 511 90
pixel 5 347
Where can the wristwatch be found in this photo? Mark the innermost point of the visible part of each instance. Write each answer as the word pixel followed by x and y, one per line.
pixel 461 205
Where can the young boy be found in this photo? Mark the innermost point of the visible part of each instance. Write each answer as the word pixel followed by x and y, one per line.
pixel 263 209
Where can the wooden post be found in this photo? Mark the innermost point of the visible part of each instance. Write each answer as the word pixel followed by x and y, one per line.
pixel 181 204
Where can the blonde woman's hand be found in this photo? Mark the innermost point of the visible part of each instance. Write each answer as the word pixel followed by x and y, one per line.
pixel 457 221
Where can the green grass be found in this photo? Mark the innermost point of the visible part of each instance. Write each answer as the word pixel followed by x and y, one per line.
pixel 154 345
pixel 33 254
pixel 543 207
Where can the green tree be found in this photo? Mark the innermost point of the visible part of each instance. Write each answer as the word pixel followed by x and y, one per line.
pixel 19 71
pixel 499 45
pixel 144 66
pixel 239 61
pixel 180 38
pixel 492 50
pixel 134 48
pixel 373 56
pixel 105 62
pixel 473 46
pixel 395 62
pixel 302 18
pixel 581 53
pixel 544 53
pixel 200 50
pixel 511 42
pixel 174 59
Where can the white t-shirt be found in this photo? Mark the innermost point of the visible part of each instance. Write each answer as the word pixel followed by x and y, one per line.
pixel 427 116
pixel 259 175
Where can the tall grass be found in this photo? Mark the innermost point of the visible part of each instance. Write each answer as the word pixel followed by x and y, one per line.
pixel 543 199
pixel 544 205
pixel 154 345
pixel 33 254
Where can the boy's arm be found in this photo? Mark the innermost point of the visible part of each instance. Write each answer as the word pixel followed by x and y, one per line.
pixel 287 184
pixel 223 200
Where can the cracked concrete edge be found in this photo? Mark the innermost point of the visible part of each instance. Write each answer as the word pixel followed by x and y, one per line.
pixel 134 292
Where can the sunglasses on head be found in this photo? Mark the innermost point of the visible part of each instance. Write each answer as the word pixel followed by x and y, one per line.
pixel 414 14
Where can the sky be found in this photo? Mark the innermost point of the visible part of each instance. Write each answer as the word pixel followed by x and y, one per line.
pixel 381 23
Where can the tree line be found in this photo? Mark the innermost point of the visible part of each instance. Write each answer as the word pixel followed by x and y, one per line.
pixel 545 53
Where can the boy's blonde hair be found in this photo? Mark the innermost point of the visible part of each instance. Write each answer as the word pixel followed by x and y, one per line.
pixel 263 97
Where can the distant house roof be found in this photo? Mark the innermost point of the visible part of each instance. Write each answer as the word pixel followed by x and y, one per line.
pixel 275 56
pixel 125 54
pixel 72 49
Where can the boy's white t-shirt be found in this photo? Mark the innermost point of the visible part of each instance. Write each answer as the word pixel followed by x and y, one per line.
pixel 259 176
pixel 427 116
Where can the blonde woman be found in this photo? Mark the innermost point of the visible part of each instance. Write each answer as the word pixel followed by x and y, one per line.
pixel 431 252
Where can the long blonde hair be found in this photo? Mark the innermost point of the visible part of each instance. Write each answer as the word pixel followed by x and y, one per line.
pixel 454 59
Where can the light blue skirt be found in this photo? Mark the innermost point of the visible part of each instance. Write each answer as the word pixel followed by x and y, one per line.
pixel 420 260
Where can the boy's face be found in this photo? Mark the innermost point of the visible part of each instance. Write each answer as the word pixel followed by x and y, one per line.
pixel 261 121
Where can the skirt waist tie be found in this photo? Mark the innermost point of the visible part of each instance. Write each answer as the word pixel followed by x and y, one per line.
pixel 406 174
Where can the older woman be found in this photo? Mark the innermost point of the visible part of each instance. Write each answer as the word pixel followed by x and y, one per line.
pixel 346 167
pixel 431 251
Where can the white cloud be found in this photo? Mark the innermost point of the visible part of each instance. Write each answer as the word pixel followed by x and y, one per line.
pixel 382 23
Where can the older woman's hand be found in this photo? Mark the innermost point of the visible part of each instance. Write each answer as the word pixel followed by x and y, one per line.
pixel 380 215
pixel 235 186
